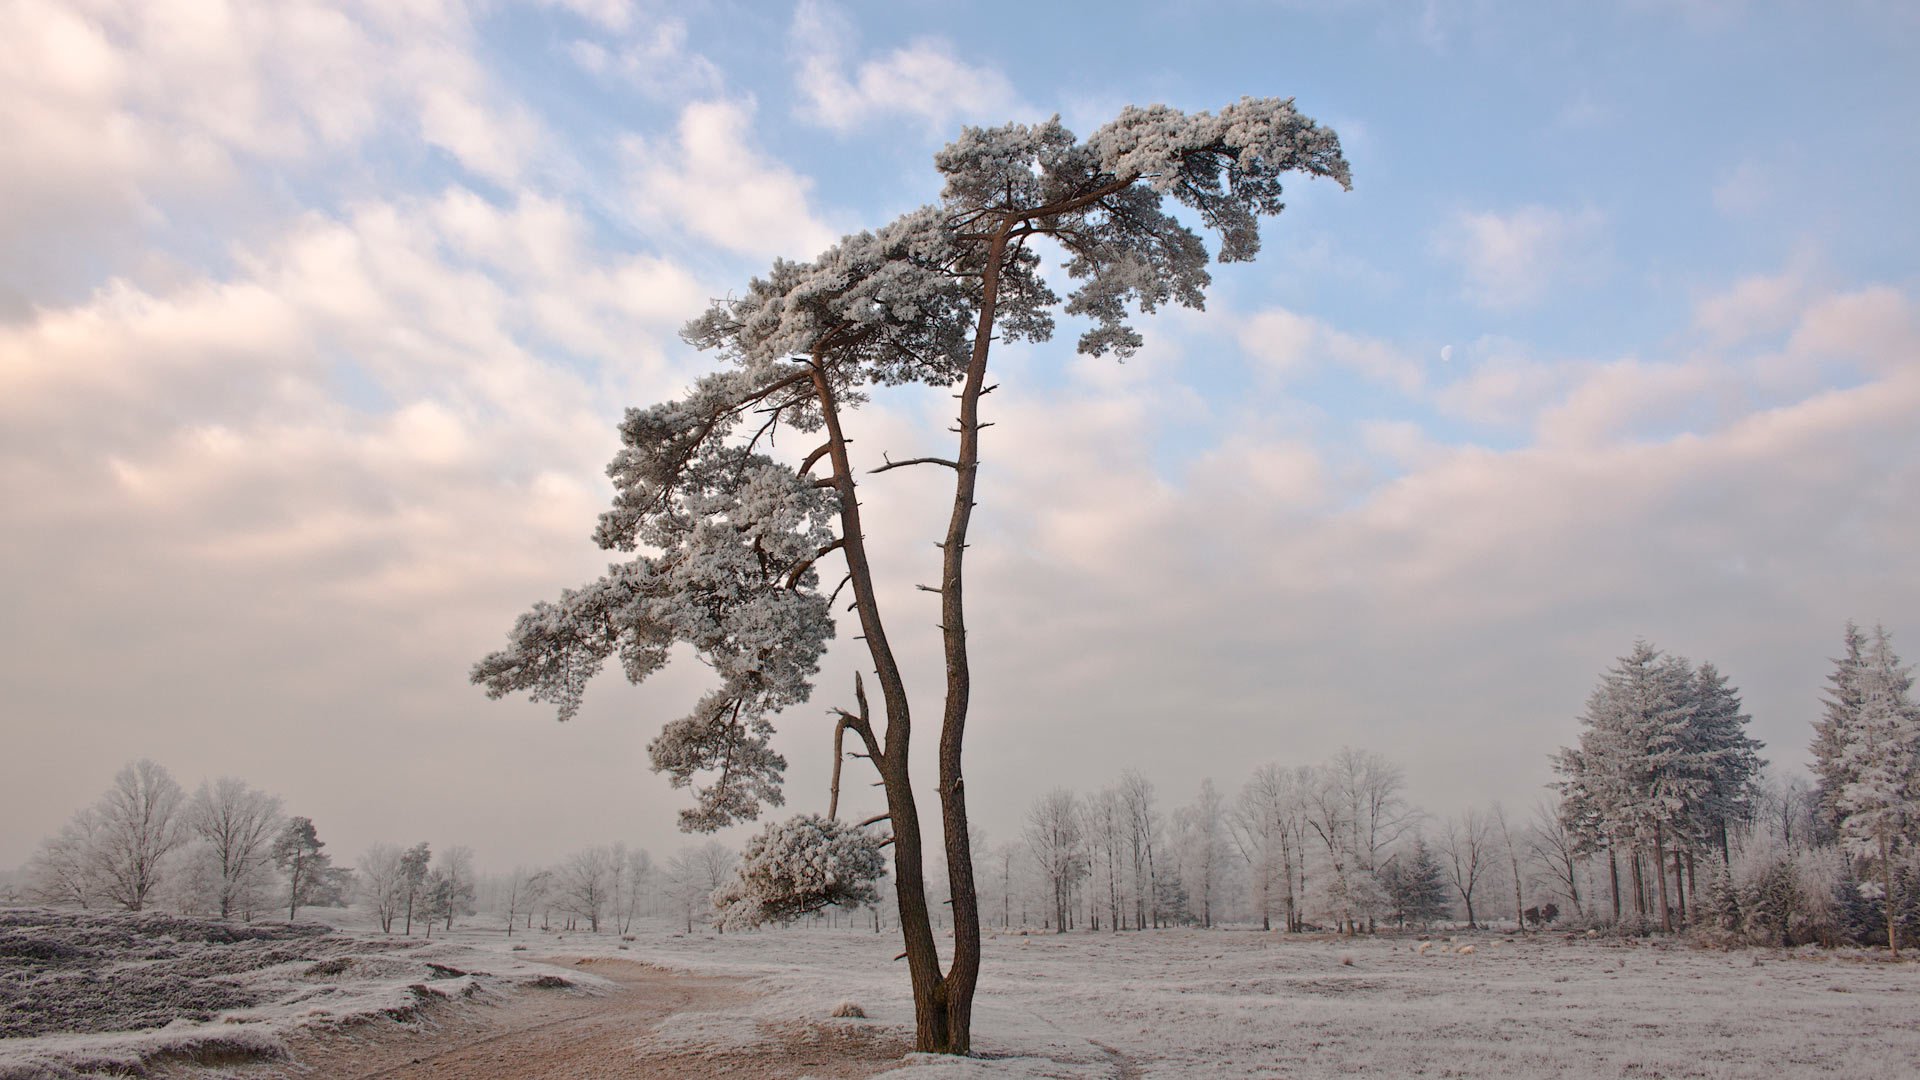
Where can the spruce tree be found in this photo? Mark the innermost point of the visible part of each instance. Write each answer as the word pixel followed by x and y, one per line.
pixel 1842 704
pixel 1881 760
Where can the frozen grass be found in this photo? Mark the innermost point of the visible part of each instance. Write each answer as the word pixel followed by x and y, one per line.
pixel 86 993
pixel 1243 1004
pixel 1163 1004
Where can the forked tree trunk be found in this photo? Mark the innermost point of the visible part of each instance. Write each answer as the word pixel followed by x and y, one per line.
pixel 910 892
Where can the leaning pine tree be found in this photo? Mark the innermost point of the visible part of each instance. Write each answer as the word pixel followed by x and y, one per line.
pixel 728 541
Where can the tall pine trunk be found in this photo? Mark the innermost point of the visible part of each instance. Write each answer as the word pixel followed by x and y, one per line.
pixel 1660 876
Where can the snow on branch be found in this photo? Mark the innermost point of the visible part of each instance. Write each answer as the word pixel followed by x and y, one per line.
pixel 800 866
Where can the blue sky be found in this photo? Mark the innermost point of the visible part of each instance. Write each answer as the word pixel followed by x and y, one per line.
pixel 315 317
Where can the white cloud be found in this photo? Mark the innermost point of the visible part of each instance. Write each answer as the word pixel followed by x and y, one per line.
pixel 1503 385
pixel 614 16
pixel 118 117
pixel 1514 259
pixel 655 60
pixel 1290 344
pixel 923 79
pixel 712 182
pixel 1756 306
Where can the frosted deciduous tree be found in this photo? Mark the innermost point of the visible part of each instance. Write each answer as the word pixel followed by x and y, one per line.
pixel 522 894
pixel 1261 823
pixel 238 824
pixel 1555 849
pixel 1203 849
pixel 456 874
pixel 636 877
pixel 586 883
pixel 1142 819
pixel 1467 853
pixel 137 825
pixel 1510 847
pixel 739 535
pixel 66 869
pixel 1058 847
pixel 382 880
pixel 695 874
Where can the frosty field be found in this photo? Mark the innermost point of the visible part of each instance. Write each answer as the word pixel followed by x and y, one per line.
pixel 1169 1003
pixel 1242 1003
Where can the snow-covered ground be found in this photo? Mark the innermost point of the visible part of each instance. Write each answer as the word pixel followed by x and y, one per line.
pixel 89 993
pixel 1175 1003
pixel 1192 1003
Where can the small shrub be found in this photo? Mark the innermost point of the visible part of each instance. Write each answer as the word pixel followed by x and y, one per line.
pixel 847 1010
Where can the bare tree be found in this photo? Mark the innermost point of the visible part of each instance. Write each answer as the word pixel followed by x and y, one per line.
pixel 1555 848
pixel 238 823
pixel 524 890
pixel 1105 818
pixel 636 875
pixel 1204 848
pixel 456 870
pixel 585 884
pixel 1053 836
pixel 66 869
pixel 1512 849
pixel 382 877
pixel 695 874
pixel 1265 824
pixel 1467 846
pixel 140 822
pixel 1143 828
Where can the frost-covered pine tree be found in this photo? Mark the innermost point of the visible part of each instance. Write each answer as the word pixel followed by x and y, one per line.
pixel 1843 698
pixel 1725 759
pixel 296 851
pixel 1415 884
pixel 798 867
pixel 726 541
pixel 1881 760
pixel 1664 764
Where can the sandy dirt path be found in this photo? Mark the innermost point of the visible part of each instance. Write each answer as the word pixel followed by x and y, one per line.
pixel 566 1034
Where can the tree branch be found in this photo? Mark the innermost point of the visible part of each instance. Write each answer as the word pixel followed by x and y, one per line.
pixel 892 464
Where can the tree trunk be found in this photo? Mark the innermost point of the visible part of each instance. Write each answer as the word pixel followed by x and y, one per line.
pixel 1660 876
pixel 1679 888
pixel 1886 897
pixel 931 1029
pixel 1613 871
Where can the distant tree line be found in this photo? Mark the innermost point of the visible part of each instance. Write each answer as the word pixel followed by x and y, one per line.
pixel 1666 821
pixel 226 850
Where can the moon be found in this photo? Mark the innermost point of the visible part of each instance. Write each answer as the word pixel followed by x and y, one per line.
pixel 1446 354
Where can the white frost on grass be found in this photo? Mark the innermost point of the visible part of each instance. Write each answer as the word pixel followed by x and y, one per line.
pixel 329 980
pixel 707 1034
pixel 1181 1003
